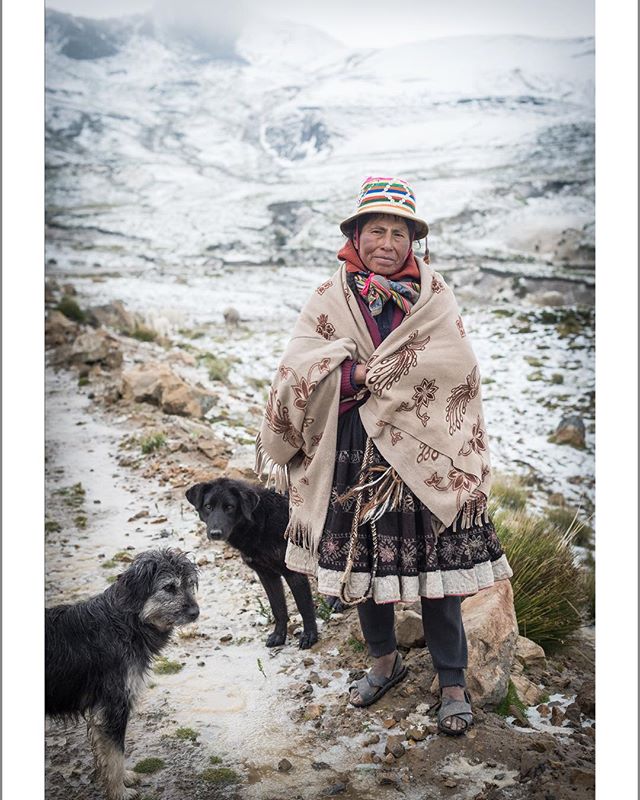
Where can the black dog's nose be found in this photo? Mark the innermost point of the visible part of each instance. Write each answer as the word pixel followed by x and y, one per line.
pixel 214 533
pixel 193 612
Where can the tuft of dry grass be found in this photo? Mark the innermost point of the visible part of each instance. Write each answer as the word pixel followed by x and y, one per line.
pixel 507 491
pixel 548 587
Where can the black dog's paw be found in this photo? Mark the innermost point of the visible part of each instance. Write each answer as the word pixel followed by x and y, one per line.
pixel 276 639
pixel 307 640
pixel 335 604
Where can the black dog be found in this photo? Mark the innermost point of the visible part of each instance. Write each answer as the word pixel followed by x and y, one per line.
pixel 253 520
pixel 97 652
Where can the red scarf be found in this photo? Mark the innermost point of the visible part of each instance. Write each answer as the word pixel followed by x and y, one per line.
pixel 350 255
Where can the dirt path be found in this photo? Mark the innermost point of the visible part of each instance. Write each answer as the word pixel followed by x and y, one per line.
pixel 226 721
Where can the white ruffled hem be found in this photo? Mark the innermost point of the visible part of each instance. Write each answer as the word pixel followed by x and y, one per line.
pixel 433 585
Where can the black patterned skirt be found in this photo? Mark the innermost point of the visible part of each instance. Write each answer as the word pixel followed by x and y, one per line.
pixel 415 556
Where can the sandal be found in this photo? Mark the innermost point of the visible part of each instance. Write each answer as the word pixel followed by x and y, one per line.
pixel 372 687
pixel 447 707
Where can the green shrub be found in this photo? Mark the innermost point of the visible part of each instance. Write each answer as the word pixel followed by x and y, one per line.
pixel 148 766
pixel 71 309
pixel 51 526
pixel 508 492
pixel 165 667
pixel 511 699
pixel 223 776
pixel 143 334
pixel 548 587
pixel 218 366
pixel 187 734
pixel 152 442
pixel 565 518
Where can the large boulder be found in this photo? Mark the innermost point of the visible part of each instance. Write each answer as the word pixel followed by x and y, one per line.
pixel 492 631
pixel 114 315
pixel 59 329
pixel 159 385
pixel 96 347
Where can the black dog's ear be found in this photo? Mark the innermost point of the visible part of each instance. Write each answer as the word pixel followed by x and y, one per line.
pixel 194 494
pixel 249 500
pixel 135 585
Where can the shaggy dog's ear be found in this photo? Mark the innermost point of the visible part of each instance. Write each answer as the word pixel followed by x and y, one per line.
pixel 135 585
pixel 194 494
pixel 249 500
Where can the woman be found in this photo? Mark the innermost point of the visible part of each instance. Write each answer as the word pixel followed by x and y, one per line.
pixel 374 425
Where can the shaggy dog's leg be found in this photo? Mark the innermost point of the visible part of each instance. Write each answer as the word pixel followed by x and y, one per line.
pixel 272 583
pixel 301 591
pixel 106 733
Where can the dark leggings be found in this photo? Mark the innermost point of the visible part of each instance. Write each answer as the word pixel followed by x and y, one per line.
pixel 443 633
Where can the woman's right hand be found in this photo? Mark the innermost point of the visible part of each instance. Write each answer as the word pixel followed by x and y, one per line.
pixel 360 374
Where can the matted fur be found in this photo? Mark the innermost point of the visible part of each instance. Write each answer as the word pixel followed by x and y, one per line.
pixel 98 651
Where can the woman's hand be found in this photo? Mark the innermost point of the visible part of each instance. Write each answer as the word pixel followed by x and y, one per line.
pixel 360 374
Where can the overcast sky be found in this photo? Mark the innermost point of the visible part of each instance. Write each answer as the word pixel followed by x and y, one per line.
pixel 379 22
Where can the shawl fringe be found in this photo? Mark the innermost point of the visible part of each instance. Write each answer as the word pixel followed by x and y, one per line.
pixel 384 489
pixel 277 475
pixel 473 513
pixel 301 535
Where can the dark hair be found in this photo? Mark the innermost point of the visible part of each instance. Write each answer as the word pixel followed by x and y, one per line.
pixel 359 223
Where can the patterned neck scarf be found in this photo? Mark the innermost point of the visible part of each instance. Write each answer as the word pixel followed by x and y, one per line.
pixel 377 290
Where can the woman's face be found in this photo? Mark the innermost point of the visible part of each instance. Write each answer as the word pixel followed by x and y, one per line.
pixel 384 244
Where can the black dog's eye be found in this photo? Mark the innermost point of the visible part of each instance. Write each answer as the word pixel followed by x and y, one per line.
pixel 207 506
pixel 228 507
pixel 170 588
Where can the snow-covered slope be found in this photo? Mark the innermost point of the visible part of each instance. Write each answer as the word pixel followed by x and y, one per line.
pixel 192 150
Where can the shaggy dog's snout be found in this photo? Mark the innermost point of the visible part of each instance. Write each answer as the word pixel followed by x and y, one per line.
pixel 193 612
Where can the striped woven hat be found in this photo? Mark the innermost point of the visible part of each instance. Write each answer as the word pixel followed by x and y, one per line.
pixel 386 196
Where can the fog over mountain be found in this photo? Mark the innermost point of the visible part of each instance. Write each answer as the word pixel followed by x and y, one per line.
pixel 190 144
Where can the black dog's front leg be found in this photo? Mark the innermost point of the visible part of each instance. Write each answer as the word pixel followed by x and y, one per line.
pixel 272 583
pixel 106 730
pixel 301 591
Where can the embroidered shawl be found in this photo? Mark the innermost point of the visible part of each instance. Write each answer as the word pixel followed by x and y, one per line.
pixel 424 410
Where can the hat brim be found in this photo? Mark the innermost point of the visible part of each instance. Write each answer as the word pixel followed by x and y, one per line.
pixel 421 227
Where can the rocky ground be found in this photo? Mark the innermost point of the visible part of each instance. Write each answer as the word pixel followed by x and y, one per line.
pixel 128 430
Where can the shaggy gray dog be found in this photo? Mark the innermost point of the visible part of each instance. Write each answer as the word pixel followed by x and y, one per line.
pixel 98 651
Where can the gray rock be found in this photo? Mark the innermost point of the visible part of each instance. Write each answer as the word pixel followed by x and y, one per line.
pixel 586 699
pixel 409 630
pixel 159 385
pixel 571 431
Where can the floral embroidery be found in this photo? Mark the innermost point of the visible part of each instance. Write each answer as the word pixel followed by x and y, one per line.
pixel 459 398
pixel 396 436
pixel 324 286
pixel 295 498
pixel 459 482
pixel 424 393
pixel 303 387
pixel 324 327
pixel 278 420
pixel 476 443
pixel 391 368
pixel 436 285
pixel 426 453
pixel 461 329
